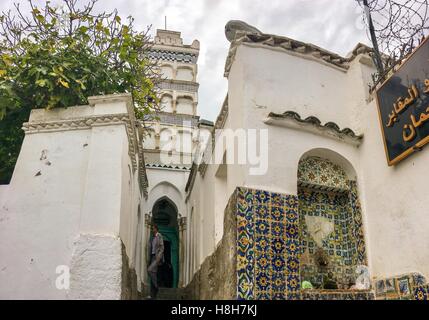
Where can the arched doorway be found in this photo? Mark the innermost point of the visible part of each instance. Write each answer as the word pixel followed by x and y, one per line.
pixel 164 215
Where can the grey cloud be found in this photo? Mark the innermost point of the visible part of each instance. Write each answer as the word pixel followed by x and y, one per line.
pixel 331 24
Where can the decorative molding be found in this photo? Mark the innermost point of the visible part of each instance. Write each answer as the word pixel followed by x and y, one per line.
pixel 170 167
pixel 179 85
pixel 135 149
pixel 75 123
pixel 179 55
pixel 223 115
pixel 177 119
pixel 147 219
pixel 291 119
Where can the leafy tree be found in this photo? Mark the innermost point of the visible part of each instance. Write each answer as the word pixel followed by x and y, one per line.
pixel 56 57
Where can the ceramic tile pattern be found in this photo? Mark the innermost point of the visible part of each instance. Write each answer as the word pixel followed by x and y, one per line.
pixel 274 248
pixel 268 249
pixel 404 287
pixel 344 247
pixel 267 246
pixel 323 173
pixel 325 193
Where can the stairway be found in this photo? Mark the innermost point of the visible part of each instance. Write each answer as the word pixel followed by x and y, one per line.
pixel 171 294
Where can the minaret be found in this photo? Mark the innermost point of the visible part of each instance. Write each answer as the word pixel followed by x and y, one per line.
pixel 172 134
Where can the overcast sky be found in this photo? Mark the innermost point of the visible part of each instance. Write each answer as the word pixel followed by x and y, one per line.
pixel 331 24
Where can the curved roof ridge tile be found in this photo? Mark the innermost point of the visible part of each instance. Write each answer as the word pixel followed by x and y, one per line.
pixel 289 44
pixel 312 120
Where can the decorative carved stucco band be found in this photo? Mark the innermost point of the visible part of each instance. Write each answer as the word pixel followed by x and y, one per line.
pixel 287 44
pixel 135 150
pixel 167 55
pixel 179 85
pixel 170 167
pixel 178 119
pixel 291 119
pixel 75 124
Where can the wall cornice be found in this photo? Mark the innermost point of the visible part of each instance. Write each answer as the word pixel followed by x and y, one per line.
pixel 291 119
pixel 288 45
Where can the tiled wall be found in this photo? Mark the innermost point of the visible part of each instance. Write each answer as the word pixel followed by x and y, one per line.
pixel 405 287
pixel 268 250
pixel 268 253
pixel 344 247
pixel 267 246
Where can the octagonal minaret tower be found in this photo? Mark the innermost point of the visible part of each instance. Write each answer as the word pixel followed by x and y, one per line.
pixel 172 136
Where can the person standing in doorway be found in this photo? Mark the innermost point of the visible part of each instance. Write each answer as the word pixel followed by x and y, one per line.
pixel 156 259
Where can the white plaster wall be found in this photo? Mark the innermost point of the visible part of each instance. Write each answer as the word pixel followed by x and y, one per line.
pixel 277 81
pixel 97 268
pixel 3 192
pixel 393 198
pixel 42 215
pixel 99 212
pixel 170 183
pixel 395 204
pixel 130 199
pixel 67 207
pixel 202 201
pixel 263 81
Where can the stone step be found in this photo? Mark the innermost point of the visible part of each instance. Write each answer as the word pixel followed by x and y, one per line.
pixel 171 294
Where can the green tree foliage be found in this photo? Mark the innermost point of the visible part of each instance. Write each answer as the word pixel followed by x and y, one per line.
pixel 55 57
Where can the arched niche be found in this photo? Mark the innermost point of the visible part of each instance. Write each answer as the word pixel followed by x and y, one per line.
pixel 333 157
pixel 185 74
pixel 166 104
pixel 331 232
pixel 166 137
pixel 149 141
pixel 167 71
pixel 185 105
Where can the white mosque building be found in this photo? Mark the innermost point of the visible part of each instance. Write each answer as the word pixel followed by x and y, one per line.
pixel 303 205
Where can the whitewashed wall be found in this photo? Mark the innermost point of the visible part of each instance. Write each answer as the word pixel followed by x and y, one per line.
pixel 394 199
pixel 72 201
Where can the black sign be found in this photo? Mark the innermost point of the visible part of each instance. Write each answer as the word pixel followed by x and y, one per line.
pixel 403 105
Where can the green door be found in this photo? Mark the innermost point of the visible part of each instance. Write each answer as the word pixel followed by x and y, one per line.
pixel 171 235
